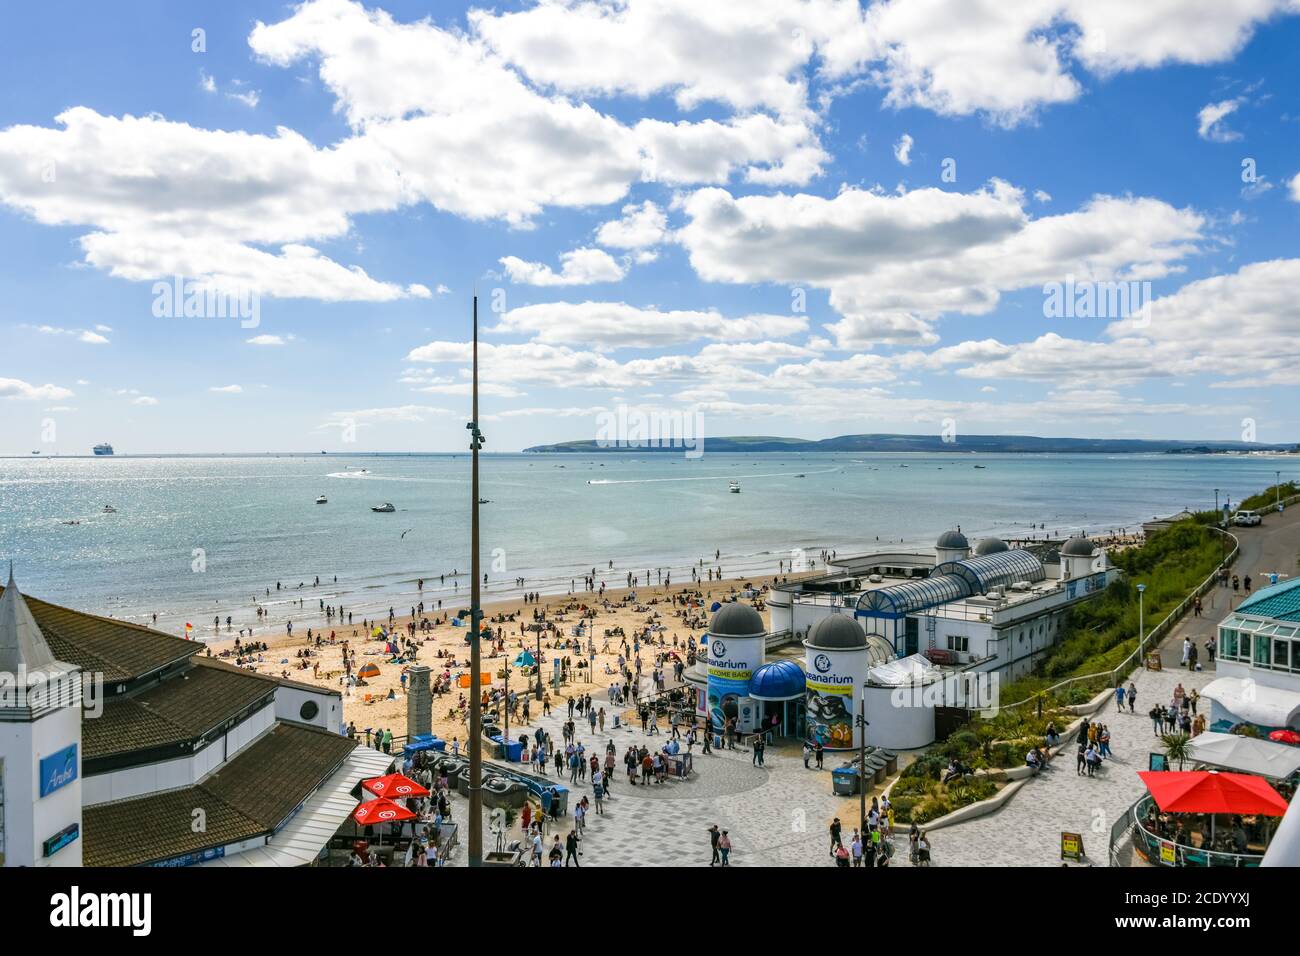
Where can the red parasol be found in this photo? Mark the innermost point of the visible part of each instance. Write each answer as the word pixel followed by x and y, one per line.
pixel 382 810
pixel 1208 791
pixel 1285 736
pixel 394 785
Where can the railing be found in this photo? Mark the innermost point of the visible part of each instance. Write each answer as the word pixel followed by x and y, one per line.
pixel 1160 851
pixel 1153 636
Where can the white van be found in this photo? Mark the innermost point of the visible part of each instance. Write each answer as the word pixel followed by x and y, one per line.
pixel 1246 519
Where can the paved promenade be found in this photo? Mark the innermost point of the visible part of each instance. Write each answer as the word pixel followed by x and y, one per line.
pixel 1026 831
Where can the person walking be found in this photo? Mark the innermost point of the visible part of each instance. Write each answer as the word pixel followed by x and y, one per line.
pixel 724 847
pixel 1119 698
pixel 714 837
pixel 835 831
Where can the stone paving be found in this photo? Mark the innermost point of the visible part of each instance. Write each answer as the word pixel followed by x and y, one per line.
pixel 1026 831
pixel 776 815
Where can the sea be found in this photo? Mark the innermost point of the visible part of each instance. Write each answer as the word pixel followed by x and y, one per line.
pixel 191 539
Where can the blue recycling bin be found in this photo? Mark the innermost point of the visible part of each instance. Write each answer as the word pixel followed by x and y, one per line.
pixel 845 781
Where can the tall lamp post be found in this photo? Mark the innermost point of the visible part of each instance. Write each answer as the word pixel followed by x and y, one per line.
pixel 1277 488
pixel 1142 636
pixel 475 620
pixel 861 721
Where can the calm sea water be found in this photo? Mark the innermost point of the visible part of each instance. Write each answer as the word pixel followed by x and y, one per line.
pixel 550 518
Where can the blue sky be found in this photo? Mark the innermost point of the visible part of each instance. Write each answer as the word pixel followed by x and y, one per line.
pixel 361 170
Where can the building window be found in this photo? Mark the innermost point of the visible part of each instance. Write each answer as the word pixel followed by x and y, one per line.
pixel 1281 655
pixel 1261 650
pixel 957 642
pixel 309 710
pixel 1228 644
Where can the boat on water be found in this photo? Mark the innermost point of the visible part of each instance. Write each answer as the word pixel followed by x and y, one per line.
pixel 37 452
pixel 981 466
pixel 109 510
pixel 321 499
pixel 103 448
pixel 385 508
pixel 734 487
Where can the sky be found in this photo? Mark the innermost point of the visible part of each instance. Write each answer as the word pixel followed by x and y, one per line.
pixel 777 217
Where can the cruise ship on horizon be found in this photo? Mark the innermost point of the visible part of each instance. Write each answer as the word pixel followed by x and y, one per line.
pixel 103 448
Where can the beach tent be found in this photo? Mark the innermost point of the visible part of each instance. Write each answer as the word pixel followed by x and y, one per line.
pixel 394 785
pixel 378 633
pixel 525 659
pixel 715 606
pixel 368 670
pixel 1209 791
pixel 381 810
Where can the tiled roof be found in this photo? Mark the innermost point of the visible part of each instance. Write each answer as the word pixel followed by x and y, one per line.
pixel 180 708
pixel 262 782
pixel 1278 601
pixel 249 796
pixel 102 645
pixel 159 827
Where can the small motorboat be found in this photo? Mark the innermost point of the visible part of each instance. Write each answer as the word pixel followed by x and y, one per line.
pixel 322 500
pixel 109 510
pixel 385 508
pixel 734 487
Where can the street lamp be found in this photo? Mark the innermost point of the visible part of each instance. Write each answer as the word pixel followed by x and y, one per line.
pixel 861 721
pixel 1142 638
pixel 475 848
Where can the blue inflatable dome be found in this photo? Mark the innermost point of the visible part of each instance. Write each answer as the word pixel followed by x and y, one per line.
pixel 777 680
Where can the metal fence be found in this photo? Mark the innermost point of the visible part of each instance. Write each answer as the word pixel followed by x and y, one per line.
pixel 1153 636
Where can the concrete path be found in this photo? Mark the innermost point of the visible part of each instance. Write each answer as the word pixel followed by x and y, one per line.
pixel 1026 831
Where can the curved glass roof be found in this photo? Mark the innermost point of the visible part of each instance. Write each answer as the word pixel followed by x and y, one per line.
pixel 915 595
pixel 987 571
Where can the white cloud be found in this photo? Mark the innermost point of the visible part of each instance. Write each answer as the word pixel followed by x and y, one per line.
pixel 1210 125
pixel 1236 330
pixel 641 227
pixel 206 82
pixel 23 391
pixel 613 325
pixel 249 98
pixel 893 263
pixel 903 149
pixel 372 416
pixel 226 389
pixel 87 336
pixel 144 400
pixel 266 339
pixel 578 267
pixel 1008 60
pixel 1295 188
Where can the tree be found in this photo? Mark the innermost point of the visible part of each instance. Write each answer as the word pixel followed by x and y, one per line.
pixel 1177 747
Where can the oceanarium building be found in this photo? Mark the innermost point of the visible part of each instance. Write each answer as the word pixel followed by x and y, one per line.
pixel 892 640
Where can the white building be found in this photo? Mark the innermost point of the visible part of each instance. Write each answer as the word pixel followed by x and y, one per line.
pixel 1258 665
pixel 989 609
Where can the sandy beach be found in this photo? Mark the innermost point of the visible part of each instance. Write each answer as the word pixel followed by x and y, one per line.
pixel 371 707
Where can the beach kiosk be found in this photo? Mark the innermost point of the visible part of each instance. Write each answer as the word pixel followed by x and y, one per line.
pixel 839 654
pixel 780 686
pixel 737 640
